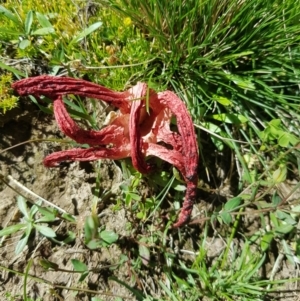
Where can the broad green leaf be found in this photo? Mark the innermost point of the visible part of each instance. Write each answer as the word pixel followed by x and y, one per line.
pixel 28 22
pixel 266 241
pixel 233 203
pixel 46 231
pixel 8 14
pixel 24 44
pixel 43 31
pixel 79 266
pixel 43 20
pixel 11 229
pixel 86 32
pixel 22 206
pixel 109 236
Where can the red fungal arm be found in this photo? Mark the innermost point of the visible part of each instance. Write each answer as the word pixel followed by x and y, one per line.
pixel 133 132
pixel 89 154
pixel 137 103
pixel 53 86
pixel 190 152
pixel 186 130
pixel 110 134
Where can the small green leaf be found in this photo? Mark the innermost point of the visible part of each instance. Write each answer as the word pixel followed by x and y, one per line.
pixel 233 203
pixel 179 187
pixel 46 264
pixel 284 229
pixel 22 206
pixel 44 230
pixel 274 219
pixel 90 229
pixel 266 241
pixel 286 139
pixel 226 217
pixel 96 299
pixel 288 253
pixel 71 237
pixel 79 266
pixel 276 199
pixel 222 100
pixel 34 209
pixel 28 22
pixel 135 196
pixel 85 32
pixel 12 229
pixel 43 31
pixel 295 211
pixel 230 118
pixel 109 236
pixel 43 20
pixel 83 276
pixel 68 217
pixel 21 244
pixel 48 215
pixel 94 244
pixel 279 175
pixel 140 215
pixel 287 218
pixel 24 44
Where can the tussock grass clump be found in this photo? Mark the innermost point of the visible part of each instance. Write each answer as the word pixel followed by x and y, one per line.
pixel 235 63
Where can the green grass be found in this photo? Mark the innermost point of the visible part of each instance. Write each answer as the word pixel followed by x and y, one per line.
pixel 236 66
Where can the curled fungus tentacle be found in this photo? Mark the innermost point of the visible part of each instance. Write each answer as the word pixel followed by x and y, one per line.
pixel 140 128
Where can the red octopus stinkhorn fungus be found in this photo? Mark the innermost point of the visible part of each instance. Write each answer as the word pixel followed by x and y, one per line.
pixel 135 131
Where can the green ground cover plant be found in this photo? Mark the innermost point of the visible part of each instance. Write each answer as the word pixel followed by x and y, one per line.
pixel 236 66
